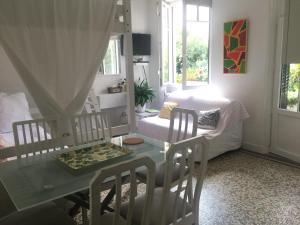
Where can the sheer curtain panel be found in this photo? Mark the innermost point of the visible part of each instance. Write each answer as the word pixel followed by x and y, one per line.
pixel 57 47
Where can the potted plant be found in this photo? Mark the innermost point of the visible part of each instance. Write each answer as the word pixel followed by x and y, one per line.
pixel 143 94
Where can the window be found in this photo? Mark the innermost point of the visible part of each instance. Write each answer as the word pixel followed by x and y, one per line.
pixel 111 62
pixel 185 44
pixel 197 35
pixel 290 68
pixel 289 91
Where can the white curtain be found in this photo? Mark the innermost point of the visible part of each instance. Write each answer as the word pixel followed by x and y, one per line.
pixel 57 47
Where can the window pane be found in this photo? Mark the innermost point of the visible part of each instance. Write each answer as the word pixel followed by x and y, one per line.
pixel 166 43
pixel 289 90
pixel 177 35
pixel 191 12
pixel 111 59
pixel 203 14
pixel 197 53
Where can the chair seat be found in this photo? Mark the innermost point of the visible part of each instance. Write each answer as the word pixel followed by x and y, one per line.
pixel 47 214
pixel 160 174
pixel 6 205
pixel 108 219
pixel 156 208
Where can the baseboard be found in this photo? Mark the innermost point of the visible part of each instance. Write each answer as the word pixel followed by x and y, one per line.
pixel 256 148
pixel 278 151
pixel 286 154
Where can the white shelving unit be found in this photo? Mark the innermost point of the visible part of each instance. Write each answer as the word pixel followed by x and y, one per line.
pixel 113 100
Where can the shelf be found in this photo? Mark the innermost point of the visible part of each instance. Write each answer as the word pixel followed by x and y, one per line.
pixel 141 63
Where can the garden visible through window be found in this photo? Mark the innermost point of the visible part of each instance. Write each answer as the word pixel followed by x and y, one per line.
pixel 197 44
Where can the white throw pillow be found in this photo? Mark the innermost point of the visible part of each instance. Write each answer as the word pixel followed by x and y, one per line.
pixel 13 108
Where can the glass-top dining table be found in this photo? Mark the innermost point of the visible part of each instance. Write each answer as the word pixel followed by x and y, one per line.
pixel 40 179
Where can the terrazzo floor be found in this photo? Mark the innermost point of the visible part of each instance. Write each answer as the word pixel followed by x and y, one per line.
pixel 244 189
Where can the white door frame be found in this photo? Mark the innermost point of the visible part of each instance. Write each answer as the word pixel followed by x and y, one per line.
pixel 282 31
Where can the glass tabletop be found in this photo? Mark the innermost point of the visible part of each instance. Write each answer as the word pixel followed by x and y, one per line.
pixel 39 179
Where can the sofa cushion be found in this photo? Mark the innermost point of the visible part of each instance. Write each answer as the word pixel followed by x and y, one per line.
pixel 166 110
pixel 158 128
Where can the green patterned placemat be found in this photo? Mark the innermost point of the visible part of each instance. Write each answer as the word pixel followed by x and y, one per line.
pixel 90 156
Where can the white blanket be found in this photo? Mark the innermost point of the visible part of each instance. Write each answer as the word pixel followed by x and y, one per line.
pixel 232 111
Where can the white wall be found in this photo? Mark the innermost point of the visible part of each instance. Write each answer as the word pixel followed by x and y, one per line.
pixel 154 67
pixel 140 19
pixel 139 12
pixel 252 88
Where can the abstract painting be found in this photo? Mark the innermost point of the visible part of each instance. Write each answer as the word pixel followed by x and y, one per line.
pixel 235 46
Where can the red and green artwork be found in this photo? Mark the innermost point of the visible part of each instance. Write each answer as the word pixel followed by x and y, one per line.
pixel 235 46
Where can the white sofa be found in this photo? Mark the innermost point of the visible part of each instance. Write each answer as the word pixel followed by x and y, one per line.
pixel 228 134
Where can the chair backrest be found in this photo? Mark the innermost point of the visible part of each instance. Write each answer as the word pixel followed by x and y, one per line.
pixel 37 136
pixel 183 124
pixel 90 127
pixel 98 185
pixel 183 154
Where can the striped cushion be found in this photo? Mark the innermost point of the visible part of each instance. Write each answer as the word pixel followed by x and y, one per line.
pixel 209 119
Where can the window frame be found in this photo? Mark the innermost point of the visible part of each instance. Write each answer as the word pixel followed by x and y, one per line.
pixel 101 70
pixel 172 78
pixel 170 44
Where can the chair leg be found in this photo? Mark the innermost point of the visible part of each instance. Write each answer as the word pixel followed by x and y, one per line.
pixel 74 210
pixel 190 193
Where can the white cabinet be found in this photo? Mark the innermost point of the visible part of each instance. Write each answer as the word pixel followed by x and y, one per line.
pixel 113 100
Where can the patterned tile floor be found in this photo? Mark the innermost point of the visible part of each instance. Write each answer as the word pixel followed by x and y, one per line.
pixel 244 189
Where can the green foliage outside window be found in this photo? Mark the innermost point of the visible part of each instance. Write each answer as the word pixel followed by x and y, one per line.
pixel 197 60
pixel 293 87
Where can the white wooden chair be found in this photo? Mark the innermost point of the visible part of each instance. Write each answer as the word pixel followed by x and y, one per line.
pixel 98 184
pixel 183 125
pixel 91 127
pixel 171 205
pixel 32 137
pixel 38 136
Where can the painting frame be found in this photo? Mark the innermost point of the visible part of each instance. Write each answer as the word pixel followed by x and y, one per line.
pixel 235 46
